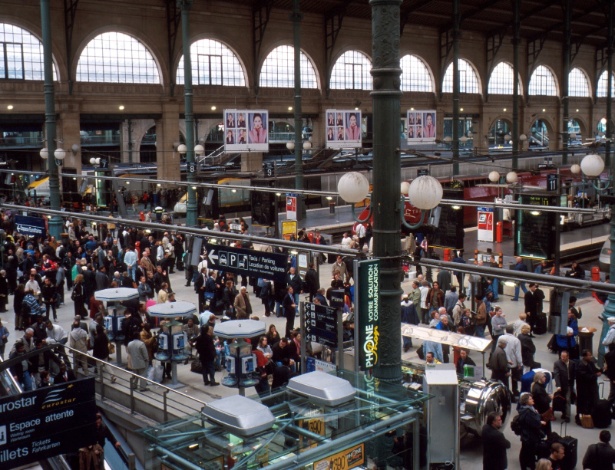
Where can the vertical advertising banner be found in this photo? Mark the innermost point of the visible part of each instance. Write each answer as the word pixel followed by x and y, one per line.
pixel 343 128
pixel 291 207
pixel 367 299
pixel 421 126
pixel 246 130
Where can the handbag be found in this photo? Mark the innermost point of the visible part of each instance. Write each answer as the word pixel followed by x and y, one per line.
pixel 548 415
pixel 587 422
pixel 559 401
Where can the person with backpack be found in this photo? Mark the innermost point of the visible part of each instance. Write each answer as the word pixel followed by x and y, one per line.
pixel 528 426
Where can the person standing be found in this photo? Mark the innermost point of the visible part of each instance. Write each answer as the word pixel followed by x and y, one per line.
pixel 243 308
pixel 531 433
pixel 519 266
pixel 79 339
pixel 498 326
pixel 600 456
pixel 514 358
pixel 564 372
pixel 290 308
pixel 494 443
pixel 528 348
pixel 533 304
pixel 408 315
pixel 78 296
pixel 312 282
pixel 542 400
pixel 138 360
pixel 587 385
pixel 499 364
pixel 480 320
pixel 206 348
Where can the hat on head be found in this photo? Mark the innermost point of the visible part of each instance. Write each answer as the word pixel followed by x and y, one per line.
pixel 611 320
pixel 405 297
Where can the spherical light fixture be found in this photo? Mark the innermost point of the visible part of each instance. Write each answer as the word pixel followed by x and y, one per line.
pixel 44 153
pixel 199 150
pixel 575 169
pixel 405 186
pixel 182 149
pixel 512 177
pixel 448 139
pixel 463 139
pixel 290 145
pixel 307 145
pixel 573 136
pixel 507 137
pixel 470 135
pixel 353 187
pixel 59 154
pixel 592 165
pixel 425 192
pixel 494 176
pixel 523 137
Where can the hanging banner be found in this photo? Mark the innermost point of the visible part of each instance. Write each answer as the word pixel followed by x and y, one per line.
pixel 343 128
pixel 421 126
pixel 291 207
pixel 246 130
pixel 367 301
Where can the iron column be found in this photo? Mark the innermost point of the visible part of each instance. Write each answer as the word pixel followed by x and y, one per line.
pixel 55 224
pixel 191 207
pixel 385 203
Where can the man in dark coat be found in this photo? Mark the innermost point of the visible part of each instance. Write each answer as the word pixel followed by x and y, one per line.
pixel 533 304
pixel 600 456
pixel 207 354
pixel 564 373
pixel 494 443
pixel 587 384
pixel 290 308
pixel 499 363
pixel 312 282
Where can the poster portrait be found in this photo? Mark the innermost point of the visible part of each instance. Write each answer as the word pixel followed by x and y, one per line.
pixel 246 130
pixel 421 126
pixel 343 129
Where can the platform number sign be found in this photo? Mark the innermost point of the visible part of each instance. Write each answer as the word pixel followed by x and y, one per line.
pixel 104 163
pixel 552 182
pixel 191 167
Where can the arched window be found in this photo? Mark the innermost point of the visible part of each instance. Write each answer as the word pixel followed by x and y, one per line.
pixel 279 69
pixel 468 79
pixel 542 82
pixel 351 72
pixel 415 75
pixel 117 58
pixel 578 85
pixel 603 83
pixel 22 55
pixel 212 63
pixel 501 81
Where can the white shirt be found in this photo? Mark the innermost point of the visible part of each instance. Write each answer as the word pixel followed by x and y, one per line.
pixel 513 350
pixel 424 293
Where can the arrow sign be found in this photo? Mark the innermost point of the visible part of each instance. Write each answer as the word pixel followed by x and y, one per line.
pixel 247 262
pixel 321 324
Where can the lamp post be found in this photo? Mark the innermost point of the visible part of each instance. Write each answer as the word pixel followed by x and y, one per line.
pixel 191 206
pixel 592 167
pixel 55 224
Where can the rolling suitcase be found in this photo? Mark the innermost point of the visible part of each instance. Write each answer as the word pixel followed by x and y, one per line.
pixel 601 414
pixel 541 324
pixel 571 445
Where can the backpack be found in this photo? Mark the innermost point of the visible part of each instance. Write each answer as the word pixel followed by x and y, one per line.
pixel 515 425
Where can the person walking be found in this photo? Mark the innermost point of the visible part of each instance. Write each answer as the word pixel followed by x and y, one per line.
pixel 600 456
pixel 138 360
pixel 494 443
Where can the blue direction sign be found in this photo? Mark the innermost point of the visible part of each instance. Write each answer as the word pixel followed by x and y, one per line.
pixel 247 262
pixel 33 226
pixel 321 324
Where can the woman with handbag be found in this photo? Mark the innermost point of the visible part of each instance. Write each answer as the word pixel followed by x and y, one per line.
pixel 542 400
pixel 78 296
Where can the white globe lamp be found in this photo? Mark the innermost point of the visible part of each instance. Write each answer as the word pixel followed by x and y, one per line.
pixel 182 149
pixel 405 186
pixel 494 176
pixel 59 154
pixel 592 165
pixel 44 153
pixel 512 177
pixel 353 187
pixel 575 169
pixel 425 192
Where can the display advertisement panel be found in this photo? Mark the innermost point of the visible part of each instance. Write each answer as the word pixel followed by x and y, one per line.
pixel 421 125
pixel 343 128
pixel 246 130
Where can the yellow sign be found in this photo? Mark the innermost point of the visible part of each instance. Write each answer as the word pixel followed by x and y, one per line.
pixel 345 460
pixel 289 227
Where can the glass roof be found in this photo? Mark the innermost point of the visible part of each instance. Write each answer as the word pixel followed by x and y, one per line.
pixel 300 426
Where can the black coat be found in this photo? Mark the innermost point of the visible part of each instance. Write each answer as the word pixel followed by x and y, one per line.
pixel 312 283
pixel 587 387
pixel 206 348
pixel 494 449
pixel 528 349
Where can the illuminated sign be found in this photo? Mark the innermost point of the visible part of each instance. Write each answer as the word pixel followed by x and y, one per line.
pixel 346 459
pixel 368 303
pixel 47 422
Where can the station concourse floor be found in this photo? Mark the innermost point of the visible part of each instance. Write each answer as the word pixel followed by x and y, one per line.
pixel 471 453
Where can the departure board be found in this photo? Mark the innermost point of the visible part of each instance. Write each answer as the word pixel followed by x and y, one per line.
pixel 535 229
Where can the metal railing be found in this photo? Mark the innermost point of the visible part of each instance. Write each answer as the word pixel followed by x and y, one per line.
pixel 116 383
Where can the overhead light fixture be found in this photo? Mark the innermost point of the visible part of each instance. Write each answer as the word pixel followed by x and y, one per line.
pixel 290 108
pixel 510 283
pixel 213 108
pixel 460 109
pixel 504 109
pixel 9 107
pixel 576 110
pixel 535 212
pixel 544 110
pixel 456 208
pixel 121 107
pixel 411 109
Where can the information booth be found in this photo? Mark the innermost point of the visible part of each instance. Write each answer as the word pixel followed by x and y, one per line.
pixel 319 421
